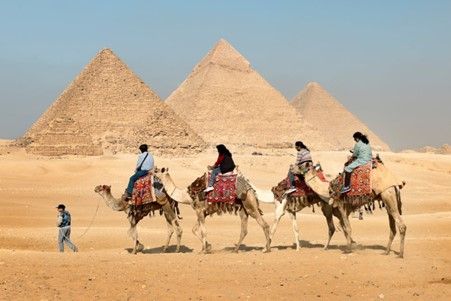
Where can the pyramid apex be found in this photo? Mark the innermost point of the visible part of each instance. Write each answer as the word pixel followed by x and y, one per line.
pixel 314 85
pixel 223 41
pixel 106 52
pixel 225 55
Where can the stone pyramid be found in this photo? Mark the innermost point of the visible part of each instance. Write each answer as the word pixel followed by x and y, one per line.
pixel 63 136
pixel 226 101
pixel 116 109
pixel 333 120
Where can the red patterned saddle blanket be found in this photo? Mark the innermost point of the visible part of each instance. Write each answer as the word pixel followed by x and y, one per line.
pixel 360 181
pixel 143 191
pixel 302 189
pixel 224 189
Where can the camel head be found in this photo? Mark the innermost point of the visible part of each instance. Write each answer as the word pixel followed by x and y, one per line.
pixel 170 187
pixel 102 189
pixel 164 176
pixel 115 204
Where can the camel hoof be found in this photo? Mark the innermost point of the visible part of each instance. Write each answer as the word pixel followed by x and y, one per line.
pixel 165 249
pixel 208 248
pixel 267 250
pixel 401 256
pixel 139 247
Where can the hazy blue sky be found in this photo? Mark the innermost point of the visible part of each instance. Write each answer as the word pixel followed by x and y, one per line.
pixel 389 62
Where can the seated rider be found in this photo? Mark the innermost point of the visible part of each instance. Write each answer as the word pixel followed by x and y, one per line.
pixel 143 166
pixel 224 164
pixel 303 161
pixel 361 155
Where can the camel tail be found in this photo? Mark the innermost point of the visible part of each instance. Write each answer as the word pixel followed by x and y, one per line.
pixel 398 199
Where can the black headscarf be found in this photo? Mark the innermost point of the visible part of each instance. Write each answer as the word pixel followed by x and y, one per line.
pixel 361 137
pixel 222 150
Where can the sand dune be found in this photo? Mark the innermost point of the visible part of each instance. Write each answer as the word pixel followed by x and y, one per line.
pixel 31 186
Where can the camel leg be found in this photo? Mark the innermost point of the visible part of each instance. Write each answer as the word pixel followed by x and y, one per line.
pixel 390 199
pixel 295 230
pixel 173 224
pixel 244 220
pixel 251 206
pixel 196 231
pixel 392 224
pixel 327 211
pixel 134 235
pixel 402 232
pixel 206 247
pixel 170 232
pixel 337 213
pixel 178 231
pixel 265 228
pixel 346 226
pixel 280 211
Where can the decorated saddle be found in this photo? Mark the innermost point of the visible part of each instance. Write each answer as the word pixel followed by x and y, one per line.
pixel 361 190
pixel 224 189
pixel 303 191
pixel 143 191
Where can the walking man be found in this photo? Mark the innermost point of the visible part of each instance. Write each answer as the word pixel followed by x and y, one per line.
pixel 63 224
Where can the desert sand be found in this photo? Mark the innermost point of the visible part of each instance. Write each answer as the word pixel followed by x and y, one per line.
pixel 32 269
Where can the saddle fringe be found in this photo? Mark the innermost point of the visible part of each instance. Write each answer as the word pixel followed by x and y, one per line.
pixel 222 208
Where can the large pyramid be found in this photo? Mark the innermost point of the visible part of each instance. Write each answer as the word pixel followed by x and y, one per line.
pixel 333 120
pixel 226 101
pixel 113 108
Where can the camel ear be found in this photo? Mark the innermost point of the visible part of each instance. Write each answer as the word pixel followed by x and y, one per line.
pixel 156 169
pixel 167 169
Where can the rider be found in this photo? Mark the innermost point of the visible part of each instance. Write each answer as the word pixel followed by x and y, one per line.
pixel 143 166
pixel 361 155
pixel 223 164
pixel 303 160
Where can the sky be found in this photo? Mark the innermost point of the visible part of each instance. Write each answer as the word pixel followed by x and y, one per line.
pixel 388 62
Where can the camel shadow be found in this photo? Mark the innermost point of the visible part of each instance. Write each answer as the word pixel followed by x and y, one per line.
pixel 159 250
pixel 244 248
pixel 342 248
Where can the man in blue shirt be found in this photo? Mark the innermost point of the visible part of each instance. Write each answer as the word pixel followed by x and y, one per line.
pixel 143 166
pixel 63 223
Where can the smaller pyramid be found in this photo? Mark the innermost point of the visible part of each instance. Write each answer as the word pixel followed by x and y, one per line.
pixel 226 101
pixel 332 119
pixel 63 136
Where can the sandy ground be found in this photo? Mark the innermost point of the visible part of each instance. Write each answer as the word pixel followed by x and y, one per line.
pixel 30 267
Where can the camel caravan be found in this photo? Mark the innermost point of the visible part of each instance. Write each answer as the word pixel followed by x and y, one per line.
pixel 223 189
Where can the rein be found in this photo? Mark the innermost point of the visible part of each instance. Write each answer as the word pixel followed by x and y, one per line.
pixel 92 220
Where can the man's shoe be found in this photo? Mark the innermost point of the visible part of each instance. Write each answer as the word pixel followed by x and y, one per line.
pixel 291 190
pixel 208 189
pixel 345 189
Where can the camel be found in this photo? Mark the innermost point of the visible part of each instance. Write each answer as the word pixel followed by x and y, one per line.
pixel 386 188
pixel 165 205
pixel 288 203
pixel 246 205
